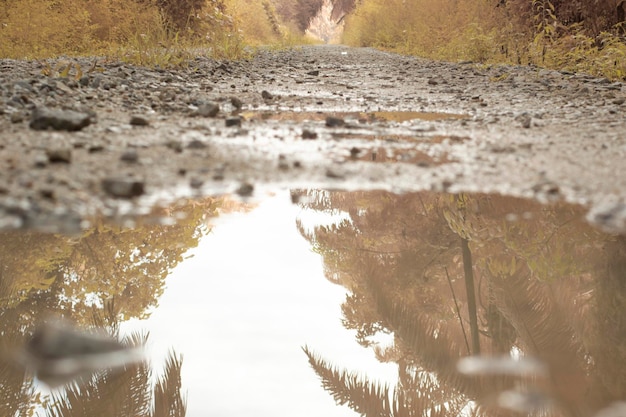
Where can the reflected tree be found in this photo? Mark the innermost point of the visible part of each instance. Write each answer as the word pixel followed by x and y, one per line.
pixel 127 392
pixel 519 277
pixel 416 395
pixel 47 274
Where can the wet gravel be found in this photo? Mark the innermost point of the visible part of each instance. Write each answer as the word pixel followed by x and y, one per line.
pixel 87 137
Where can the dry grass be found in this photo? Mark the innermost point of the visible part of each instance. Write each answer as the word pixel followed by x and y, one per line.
pixel 541 32
pixel 140 31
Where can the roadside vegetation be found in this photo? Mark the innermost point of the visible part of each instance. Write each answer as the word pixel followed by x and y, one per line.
pixel 147 32
pixel 575 35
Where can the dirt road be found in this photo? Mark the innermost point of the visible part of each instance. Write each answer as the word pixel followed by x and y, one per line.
pixel 113 139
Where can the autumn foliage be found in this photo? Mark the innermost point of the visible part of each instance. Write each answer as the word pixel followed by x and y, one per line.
pixel 579 35
pixel 45 28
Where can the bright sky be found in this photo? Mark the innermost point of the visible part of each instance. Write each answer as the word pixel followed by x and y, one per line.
pixel 241 309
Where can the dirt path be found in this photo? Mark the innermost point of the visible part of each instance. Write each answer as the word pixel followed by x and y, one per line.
pixel 326 116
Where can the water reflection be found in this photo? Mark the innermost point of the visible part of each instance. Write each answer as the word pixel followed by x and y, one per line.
pixel 107 274
pixel 453 276
pixel 491 306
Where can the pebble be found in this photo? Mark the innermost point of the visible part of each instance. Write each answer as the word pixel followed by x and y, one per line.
pixel 267 95
pixel 236 103
pixel 208 109
pixel 123 188
pixel 332 121
pixel 44 118
pixel 130 156
pixel 59 155
pixel 139 121
pixel 245 190
pixel 17 117
pixel 309 134
pixel 233 121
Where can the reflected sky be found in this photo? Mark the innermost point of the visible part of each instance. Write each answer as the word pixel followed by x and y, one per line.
pixel 240 309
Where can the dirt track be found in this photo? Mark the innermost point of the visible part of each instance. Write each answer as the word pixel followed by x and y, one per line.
pixel 512 130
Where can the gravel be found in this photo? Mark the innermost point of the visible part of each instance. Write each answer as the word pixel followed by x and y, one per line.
pixel 122 138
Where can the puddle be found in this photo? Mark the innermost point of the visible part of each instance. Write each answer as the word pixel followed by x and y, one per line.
pixel 383 304
pixel 362 117
pixel 389 154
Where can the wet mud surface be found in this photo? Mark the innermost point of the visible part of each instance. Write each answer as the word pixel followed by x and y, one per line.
pixel 80 138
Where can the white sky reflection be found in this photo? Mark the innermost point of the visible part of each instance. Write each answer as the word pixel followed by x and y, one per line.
pixel 240 310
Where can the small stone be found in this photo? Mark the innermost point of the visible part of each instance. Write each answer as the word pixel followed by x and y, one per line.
pixel 196 144
pixel 432 81
pixel 208 109
pixel 332 121
pixel 236 103
pixel 17 117
pixel 45 118
pixel 309 134
pixel 354 152
pixel 196 183
pixel 60 155
pixel 130 156
pixel 619 101
pixel 41 161
pixel 314 73
pixel 123 188
pixel 525 119
pixel 233 121
pixel 335 173
pixel 139 121
pixel 175 145
pixel 47 193
pixel 267 95
pixel 245 190
pixel 95 148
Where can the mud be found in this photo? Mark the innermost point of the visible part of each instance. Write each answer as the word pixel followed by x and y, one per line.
pixel 307 117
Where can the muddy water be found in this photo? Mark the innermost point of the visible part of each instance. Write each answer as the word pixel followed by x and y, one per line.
pixel 327 303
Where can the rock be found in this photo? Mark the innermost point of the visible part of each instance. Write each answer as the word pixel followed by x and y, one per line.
pixel 233 121
pixel 59 155
pixel 208 109
pixel 139 121
pixel 123 188
pixel 17 117
pixel 267 95
pixel 196 183
pixel 236 103
pixel 335 173
pixel 332 121
pixel 196 144
pixel 525 119
pixel 175 145
pixel 314 73
pixel 309 134
pixel 245 189
pixel 44 118
pixel 130 156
